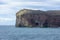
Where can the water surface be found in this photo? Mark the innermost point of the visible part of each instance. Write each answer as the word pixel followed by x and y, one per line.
pixel 13 33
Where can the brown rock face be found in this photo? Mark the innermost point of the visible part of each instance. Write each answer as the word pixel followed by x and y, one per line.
pixel 37 18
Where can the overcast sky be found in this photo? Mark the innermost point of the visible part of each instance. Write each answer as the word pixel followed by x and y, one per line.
pixel 8 8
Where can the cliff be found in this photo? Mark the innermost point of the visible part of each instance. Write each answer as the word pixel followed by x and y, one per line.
pixel 37 18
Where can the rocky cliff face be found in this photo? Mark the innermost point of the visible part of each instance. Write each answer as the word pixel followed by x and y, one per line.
pixel 37 18
pixel 54 19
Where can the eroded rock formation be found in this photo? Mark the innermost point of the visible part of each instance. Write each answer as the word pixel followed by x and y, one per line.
pixel 37 18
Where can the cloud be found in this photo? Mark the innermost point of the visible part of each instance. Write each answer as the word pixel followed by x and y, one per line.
pixel 6 19
pixel 42 5
pixel 17 3
pixel 35 3
pixel 29 0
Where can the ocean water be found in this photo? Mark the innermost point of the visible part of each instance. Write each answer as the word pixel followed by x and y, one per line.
pixel 13 33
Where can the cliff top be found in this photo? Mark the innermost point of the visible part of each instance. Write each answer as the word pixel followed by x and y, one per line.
pixel 50 12
pixel 25 11
pixel 53 12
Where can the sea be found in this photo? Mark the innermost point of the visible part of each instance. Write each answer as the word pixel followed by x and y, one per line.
pixel 20 33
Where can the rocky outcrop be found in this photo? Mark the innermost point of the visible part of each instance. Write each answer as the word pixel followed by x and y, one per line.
pixel 37 18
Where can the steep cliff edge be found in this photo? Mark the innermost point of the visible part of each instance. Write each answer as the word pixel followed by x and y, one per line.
pixel 37 18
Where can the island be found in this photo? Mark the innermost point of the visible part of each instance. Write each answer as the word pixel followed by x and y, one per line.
pixel 38 18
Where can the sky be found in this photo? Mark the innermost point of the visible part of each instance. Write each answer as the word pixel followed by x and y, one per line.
pixel 9 8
